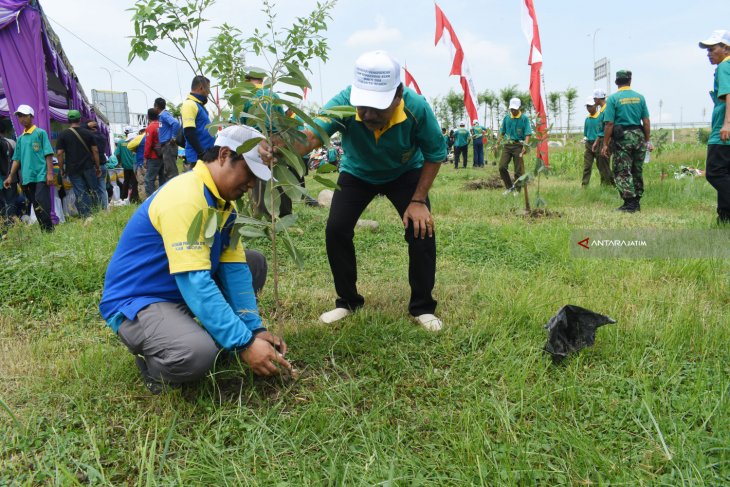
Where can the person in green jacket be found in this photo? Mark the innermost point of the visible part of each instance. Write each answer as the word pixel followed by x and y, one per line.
pixel 718 145
pixel 461 144
pixel 590 132
pixel 627 133
pixel 516 128
pixel 128 158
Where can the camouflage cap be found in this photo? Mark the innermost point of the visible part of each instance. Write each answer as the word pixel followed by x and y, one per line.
pixel 623 74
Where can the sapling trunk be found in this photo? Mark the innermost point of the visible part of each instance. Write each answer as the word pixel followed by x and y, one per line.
pixel 527 198
pixel 274 256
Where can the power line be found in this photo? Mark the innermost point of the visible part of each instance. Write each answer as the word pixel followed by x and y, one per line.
pixel 107 58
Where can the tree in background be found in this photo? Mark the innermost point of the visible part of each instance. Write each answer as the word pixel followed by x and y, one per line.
pixel 488 98
pixel 506 94
pixel 570 95
pixel 554 99
pixel 455 101
pixel 441 110
pixel 526 100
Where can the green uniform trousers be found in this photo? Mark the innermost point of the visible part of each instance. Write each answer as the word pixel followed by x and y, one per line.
pixel 628 164
pixel 511 151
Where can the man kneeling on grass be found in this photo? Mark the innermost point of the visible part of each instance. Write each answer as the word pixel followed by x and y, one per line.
pixel 157 284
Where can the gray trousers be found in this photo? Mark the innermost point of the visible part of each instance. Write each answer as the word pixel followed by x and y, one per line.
pixel 174 346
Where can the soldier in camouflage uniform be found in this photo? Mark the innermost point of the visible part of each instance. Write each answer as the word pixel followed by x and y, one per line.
pixel 627 133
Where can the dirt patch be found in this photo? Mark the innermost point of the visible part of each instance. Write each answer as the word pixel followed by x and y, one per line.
pixel 495 182
pixel 538 213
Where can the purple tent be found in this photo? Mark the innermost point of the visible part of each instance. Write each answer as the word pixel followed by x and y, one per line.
pixel 32 59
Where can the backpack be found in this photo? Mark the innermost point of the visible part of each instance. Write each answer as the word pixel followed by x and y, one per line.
pixel 180 138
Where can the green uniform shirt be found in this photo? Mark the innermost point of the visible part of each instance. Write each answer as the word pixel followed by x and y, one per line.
pixel 411 137
pixel 599 131
pixel 124 155
pixel 30 151
pixel 446 139
pixel 477 131
pixel 515 128
pixel 461 137
pixel 625 107
pixel 590 127
pixel 721 89
pixel 261 92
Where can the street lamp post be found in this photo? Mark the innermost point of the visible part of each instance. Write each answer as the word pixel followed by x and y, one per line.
pixel 594 46
pixel 146 100
pixel 111 74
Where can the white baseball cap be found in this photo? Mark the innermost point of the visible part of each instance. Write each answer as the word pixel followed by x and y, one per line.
pixel 515 104
pixel 128 129
pixel 377 77
pixel 234 137
pixel 475 122
pixel 589 101
pixel 717 37
pixel 24 110
pixel 599 93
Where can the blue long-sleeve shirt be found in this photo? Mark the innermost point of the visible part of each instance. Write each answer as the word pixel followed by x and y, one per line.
pixel 169 126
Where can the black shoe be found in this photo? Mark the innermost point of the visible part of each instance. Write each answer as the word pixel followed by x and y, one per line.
pixel 309 201
pixel 623 207
pixel 632 206
pixel 637 200
pixel 156 387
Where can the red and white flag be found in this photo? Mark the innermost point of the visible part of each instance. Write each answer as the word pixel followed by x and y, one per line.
pixel 459 67
pixel 529 27
pixel 305 90
pixel 411 81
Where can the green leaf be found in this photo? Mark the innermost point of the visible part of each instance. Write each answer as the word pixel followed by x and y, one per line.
pixel 211 225
pixel 309 121
pixel 247 220
pixel 341 111
pixel 326 168
pixel 250 232
pixel 292 250
pixel 271 207
pixel 248 145
pixel 285 222
pixel 293 160
pixel 235 235
pixel 327 183
pixel 195 227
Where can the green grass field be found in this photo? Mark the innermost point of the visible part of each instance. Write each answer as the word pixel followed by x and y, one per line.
pixel 379 400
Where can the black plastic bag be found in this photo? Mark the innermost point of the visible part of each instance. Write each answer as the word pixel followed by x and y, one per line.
pixel 572 329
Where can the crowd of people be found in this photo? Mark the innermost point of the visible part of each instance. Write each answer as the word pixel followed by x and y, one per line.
pixel 158 282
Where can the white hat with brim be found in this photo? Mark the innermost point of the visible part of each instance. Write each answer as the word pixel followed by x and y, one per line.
pixel 717 37
pixel 377 77
pixel 234 137
pixel 599 93
pixel 24 110
pixel 590 101
pixel 515 104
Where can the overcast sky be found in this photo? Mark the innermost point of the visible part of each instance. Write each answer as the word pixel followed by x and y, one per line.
pixel 656 39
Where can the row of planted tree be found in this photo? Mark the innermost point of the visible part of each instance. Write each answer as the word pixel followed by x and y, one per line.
pixel 450 111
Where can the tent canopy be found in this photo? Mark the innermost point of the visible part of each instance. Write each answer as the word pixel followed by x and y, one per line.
pixel 34 69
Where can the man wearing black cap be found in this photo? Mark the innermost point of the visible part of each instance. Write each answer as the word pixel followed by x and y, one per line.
pixel 78 158
pixel 627 133
pixel 718 145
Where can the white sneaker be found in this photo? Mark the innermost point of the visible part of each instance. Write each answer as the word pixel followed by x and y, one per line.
pixel 335 315
pixel 429 322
